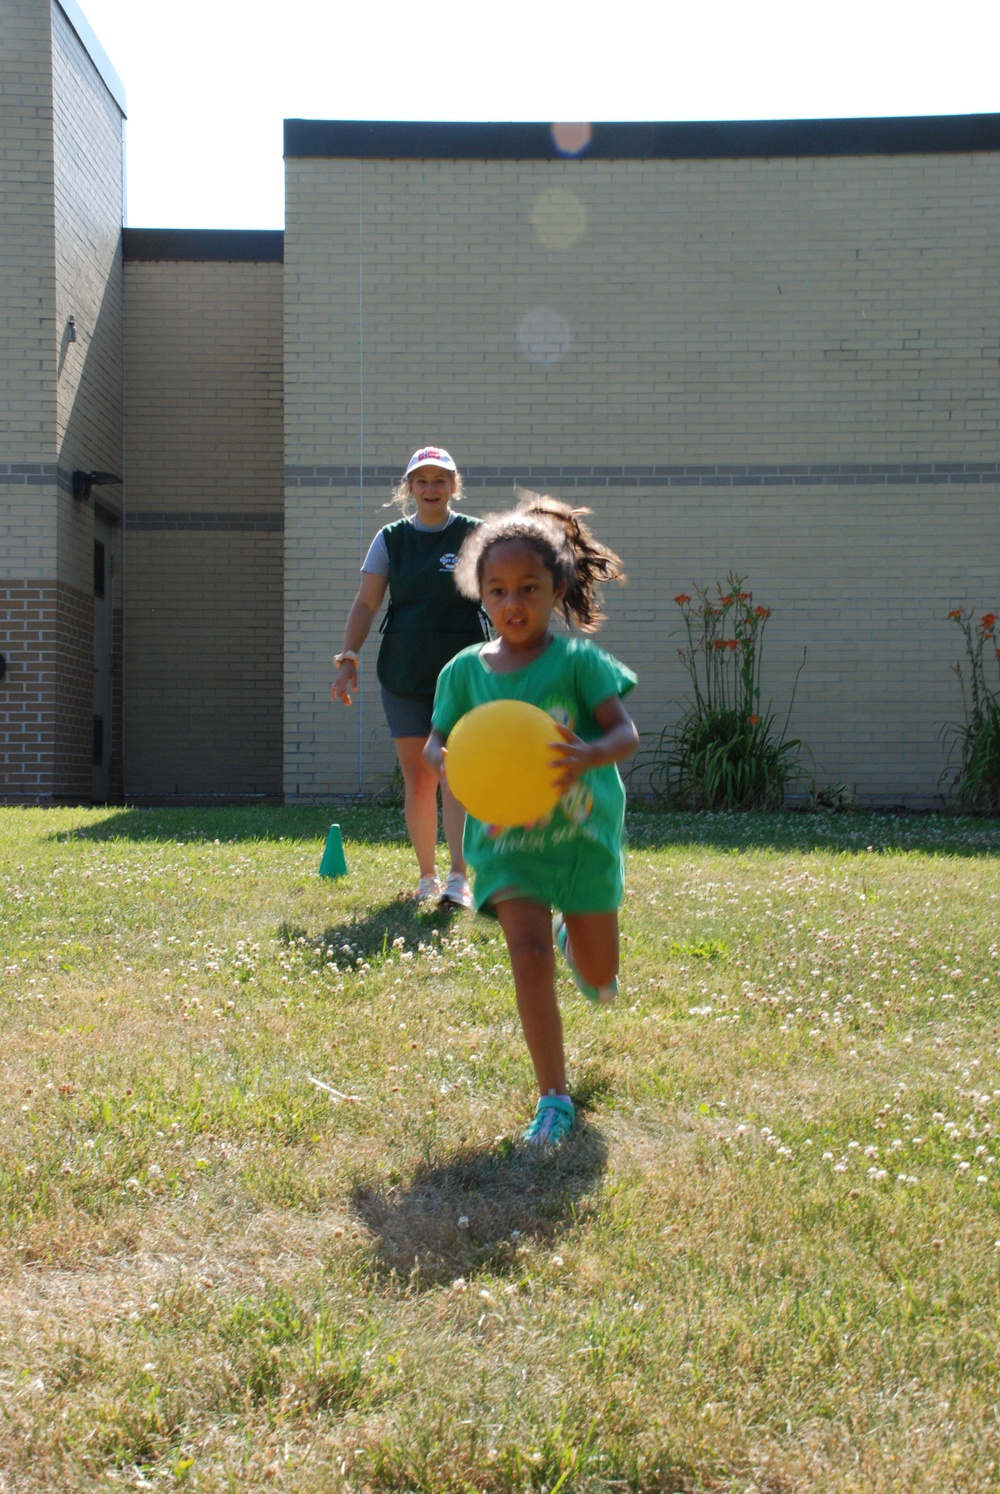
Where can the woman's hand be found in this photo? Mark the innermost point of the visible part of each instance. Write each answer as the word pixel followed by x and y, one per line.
pixel 359 621
pixel 344 681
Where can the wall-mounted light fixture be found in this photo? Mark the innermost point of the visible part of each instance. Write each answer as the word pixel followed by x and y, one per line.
pixel 71 329
pixel 84 481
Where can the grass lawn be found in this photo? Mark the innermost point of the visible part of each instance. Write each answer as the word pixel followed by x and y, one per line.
pixel 263 1224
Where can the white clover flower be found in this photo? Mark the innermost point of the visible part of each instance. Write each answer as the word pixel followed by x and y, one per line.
pixel 827 1156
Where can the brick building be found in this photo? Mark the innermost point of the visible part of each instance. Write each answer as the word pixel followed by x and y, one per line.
pixel 769 347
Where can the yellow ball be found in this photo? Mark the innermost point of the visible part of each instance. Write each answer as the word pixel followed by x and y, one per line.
pixel 499 763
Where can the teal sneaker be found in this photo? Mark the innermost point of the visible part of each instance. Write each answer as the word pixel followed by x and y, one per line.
pixel 554 1119
pixel 599 995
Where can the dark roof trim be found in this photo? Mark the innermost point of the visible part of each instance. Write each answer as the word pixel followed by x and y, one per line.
pixel 194 244
pixel 390 139
pixel 95 51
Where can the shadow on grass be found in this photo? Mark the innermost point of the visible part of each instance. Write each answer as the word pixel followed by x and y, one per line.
pixel 473 1212
pixel 367 822
pixel 370 935
pixel 360 822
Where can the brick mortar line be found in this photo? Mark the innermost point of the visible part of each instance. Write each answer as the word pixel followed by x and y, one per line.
pixel 263 523
pixel 694 476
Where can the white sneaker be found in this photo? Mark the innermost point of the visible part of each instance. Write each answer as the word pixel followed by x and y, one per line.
pixel 427 888
pixel 455 892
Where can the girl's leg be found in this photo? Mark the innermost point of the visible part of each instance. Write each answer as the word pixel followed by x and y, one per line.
pixel 593 946
pixel 420 787
pixel 527 929
pixel 453 816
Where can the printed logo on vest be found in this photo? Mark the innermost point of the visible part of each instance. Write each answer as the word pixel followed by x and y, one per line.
pixel 449 561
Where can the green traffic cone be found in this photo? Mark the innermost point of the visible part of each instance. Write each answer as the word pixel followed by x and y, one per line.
pixel 333 863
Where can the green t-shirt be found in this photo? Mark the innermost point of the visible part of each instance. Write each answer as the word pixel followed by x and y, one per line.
pixel 574 860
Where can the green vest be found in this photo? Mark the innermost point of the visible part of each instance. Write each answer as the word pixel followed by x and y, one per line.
pixel 427 621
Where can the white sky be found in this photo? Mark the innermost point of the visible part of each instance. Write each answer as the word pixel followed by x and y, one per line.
pixel 209 82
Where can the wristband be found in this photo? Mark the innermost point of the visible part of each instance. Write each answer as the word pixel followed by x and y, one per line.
pixel 348 653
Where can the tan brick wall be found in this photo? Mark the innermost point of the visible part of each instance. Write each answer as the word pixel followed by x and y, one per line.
pixel 834 313
pixel 88 195
pixel 60 401
pixel 27 276
pixel 202 664
pixel 203 562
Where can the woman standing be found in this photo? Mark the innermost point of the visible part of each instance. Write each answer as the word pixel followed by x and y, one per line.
pixel 427 622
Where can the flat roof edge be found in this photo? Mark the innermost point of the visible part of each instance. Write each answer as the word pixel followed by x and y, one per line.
pixel 94 50
pixel 668 140
pixel 245 245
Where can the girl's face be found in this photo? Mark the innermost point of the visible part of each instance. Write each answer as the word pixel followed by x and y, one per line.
pixel 431 490
pixel 519 593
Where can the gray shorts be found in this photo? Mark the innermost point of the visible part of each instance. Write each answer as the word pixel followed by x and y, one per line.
pixel 407 715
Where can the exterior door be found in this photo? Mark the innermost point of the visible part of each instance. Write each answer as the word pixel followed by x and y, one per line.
pixel 104 580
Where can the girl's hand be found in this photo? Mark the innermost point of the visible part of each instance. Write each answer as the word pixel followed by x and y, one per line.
pixel 572 758
pixel 345 680
pixel 619 741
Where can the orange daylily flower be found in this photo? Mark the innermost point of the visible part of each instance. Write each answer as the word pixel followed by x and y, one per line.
pixel 682 599
pixel 762 611
pixel 754 720
pixel 956 613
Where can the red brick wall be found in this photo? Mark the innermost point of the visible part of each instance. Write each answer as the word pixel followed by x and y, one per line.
pixel 46 697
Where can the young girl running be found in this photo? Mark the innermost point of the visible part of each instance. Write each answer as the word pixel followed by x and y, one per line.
pixel 524 566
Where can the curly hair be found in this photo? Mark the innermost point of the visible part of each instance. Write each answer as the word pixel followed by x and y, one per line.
pixel 567 548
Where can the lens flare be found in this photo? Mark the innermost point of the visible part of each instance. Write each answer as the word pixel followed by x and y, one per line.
pixel 559 218
pixel 572 139
pixel 543 336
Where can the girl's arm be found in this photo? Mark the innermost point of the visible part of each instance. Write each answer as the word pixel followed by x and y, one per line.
pixel 359 621
pixel 618 741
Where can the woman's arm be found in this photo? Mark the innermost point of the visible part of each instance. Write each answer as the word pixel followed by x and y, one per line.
pixel 618 740
pixel 363 612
